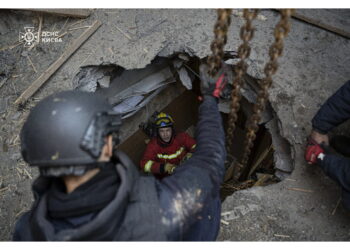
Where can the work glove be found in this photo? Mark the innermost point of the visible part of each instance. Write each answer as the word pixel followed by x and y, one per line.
pixel 313 151
pixel 186 157
pixel 169 168
pixel 214 85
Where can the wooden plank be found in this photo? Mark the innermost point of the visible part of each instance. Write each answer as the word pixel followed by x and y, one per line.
pixel 322 25
pixel 57 64
pixel 301 190
pixel 79 13
pixel 259 160
pixel 324 20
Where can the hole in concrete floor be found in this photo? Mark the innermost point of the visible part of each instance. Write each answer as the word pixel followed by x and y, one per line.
pixel 166 85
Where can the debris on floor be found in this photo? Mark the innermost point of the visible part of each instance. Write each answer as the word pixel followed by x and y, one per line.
pixel 277 184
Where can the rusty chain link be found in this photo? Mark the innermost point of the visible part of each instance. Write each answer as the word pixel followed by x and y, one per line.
pixel 246 34
pixel 214 63
pixel 220 39
pixel 281 31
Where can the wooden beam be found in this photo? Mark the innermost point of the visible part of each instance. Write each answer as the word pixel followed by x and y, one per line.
pixel 57 64
pixel 79 13
pixel 322 25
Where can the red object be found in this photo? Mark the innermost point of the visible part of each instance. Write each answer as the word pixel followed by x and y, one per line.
pixel 313 149
pixel 219 86
pixel 158 153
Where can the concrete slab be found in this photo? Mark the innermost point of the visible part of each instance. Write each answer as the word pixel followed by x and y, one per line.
pixel 314 64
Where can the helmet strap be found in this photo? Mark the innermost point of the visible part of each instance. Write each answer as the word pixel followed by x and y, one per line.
pixel 76 170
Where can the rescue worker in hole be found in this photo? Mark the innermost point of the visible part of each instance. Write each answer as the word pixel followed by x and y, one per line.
pixel 87 191
pixel 167 150
pixel 332 113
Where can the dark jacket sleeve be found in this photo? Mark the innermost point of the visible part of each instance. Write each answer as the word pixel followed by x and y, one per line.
pixel 189 142
pixel 334 111
pixel 189 198
pixel 22 232
pixel 338 168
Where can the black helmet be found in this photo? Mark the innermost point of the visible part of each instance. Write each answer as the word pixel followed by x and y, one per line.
pixel 67 129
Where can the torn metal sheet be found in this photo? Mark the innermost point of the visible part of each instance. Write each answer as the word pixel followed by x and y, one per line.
pixel 146 85
pixel 282 154
pixel 185 78
pixel 126 78
pixel 128 104
pixel 129 111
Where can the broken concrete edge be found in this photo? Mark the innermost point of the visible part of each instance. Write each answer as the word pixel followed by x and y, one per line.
pixel 269 119
pixel 281 158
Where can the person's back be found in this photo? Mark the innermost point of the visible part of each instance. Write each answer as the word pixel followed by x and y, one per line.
pixel 120 205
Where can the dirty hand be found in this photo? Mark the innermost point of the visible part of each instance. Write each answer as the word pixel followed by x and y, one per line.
pixel 214 85
pixel 169 168
pixel 186 157
pixel 319 138
pixel 313 151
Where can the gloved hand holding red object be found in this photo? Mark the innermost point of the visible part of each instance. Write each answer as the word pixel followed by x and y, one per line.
pixel 214 85
pixel 313 151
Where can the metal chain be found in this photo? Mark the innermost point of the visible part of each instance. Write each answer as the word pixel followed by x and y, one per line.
pixel 281 31
pixel 217 46
pixel 246 34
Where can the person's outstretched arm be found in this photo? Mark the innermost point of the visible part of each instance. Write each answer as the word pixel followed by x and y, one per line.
pixel 194 186
pixel 190 198
pixel 334 111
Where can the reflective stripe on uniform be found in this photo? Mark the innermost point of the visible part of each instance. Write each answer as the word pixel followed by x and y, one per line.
pixel 172 156
pixel 148 166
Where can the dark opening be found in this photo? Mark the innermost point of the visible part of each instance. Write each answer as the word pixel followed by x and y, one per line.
pixel 182 104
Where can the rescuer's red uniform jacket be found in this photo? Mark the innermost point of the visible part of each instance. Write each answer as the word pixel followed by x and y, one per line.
pixel 158 153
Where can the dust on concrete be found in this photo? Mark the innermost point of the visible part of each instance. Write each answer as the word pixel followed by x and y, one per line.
pixel 314 64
